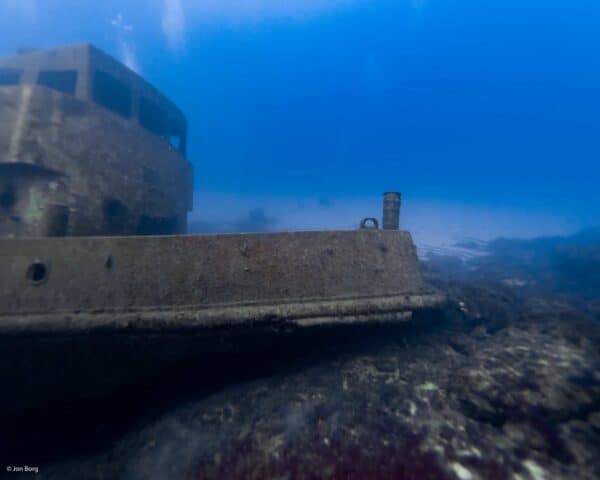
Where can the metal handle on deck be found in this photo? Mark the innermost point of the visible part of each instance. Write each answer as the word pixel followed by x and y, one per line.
pixel 364 224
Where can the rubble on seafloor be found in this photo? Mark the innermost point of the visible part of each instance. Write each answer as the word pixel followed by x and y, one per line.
pixel 496 385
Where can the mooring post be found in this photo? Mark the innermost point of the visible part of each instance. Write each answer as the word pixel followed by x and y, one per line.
pixel 391 211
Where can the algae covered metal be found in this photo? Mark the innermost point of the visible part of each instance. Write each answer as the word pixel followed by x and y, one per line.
pixel 101 288
pixel 87 147
pixel 158 283
pixel 94 194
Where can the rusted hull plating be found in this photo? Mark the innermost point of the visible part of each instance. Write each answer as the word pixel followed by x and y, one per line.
pixel 81 285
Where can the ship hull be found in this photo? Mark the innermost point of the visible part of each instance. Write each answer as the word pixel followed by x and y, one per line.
pixel 81 284
pixel 83 316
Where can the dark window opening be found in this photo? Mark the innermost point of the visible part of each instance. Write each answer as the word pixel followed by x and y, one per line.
pixel 175 141
pixel 112 94
pixel 114 208
pixel 57 220
pixel 8 76
pixel 176 138
pixel 157 225
pixel 8 198
pixel 115 216
pixel 63 81
pixel 152 117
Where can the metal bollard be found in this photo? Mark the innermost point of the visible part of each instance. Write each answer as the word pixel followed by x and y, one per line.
pixel 391 211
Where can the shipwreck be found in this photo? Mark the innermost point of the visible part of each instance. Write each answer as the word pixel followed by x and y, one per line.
pixel 95 189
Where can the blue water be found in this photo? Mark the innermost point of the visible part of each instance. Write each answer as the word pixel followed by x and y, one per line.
pixel 307 111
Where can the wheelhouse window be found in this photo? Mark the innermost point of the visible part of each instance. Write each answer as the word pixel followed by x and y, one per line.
pixel 63 81
pixel 176 138
pixel 152 117
pixel 112 93
pixel 9 76
pixel 175 142
pixel 156 120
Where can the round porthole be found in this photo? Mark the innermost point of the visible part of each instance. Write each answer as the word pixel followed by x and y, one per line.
pixel 37 273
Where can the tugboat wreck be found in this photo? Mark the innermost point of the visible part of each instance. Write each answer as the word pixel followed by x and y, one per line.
pixel 94 195
pixel 95 189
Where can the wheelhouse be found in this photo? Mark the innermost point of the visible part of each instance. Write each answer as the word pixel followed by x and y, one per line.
pixel 91 75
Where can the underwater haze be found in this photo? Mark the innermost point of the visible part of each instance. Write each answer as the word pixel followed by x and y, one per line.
pixel 335 355
pixel 301 113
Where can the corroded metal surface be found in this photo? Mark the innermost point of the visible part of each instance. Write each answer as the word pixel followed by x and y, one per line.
pixel 391 211
pixel 71 166
pixel 103 307
pixel 75 162
pixel 156 283
pixel 81 317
